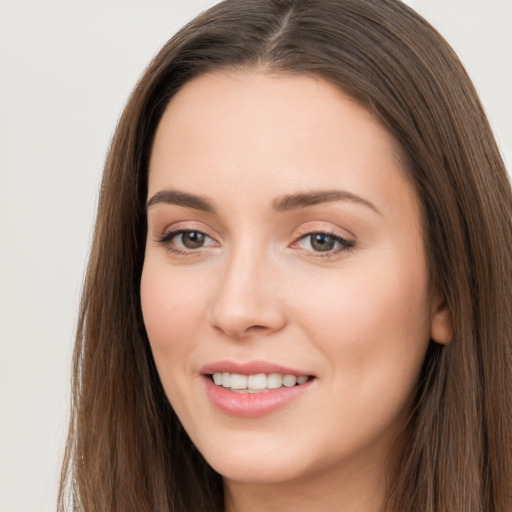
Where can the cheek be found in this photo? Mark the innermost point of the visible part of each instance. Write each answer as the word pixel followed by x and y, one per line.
pixel 371 324
pixel 171 308
pixel 374 336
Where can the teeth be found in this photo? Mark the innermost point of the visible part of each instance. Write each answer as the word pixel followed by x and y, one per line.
pixel 257 382
pixel 289 381
pixel 274 380
pixel 238 381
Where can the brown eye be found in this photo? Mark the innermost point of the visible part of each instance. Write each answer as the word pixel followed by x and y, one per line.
pixel 185 241
pixel 192 239
pixel 326 243
pixel 322 242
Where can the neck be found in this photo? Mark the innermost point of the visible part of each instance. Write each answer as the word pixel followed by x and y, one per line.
pixel 354 489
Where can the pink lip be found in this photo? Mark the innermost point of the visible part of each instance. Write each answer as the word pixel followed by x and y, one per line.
pixel 248 368
pixel 251 405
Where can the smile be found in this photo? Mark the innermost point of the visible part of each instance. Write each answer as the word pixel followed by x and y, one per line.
pixel 256 383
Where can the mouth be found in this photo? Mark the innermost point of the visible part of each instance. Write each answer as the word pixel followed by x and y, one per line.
pixel 253 389
pixel 258 382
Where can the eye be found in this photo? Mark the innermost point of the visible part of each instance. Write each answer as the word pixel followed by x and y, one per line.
pixel 324 243
pixel 192 239
pixel 183 241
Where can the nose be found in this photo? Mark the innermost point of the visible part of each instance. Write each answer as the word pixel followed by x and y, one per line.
pixel 247 300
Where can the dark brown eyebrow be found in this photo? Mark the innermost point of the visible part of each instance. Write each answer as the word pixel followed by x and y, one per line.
pixel 295 201
pixel 281 204
pixel 181 199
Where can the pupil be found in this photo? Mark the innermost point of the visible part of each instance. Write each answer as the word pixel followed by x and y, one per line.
pixel 321 242
pixel 192 239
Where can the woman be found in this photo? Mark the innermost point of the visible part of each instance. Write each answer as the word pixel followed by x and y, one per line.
pixel 299 290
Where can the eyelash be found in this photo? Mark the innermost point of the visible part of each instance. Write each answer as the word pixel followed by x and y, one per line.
pixel 345 245
pixel 167 237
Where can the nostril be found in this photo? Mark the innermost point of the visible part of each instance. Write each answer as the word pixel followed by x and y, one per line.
pixel 236 331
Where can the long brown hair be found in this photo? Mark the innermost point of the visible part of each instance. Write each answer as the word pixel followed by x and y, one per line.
pixel 126 449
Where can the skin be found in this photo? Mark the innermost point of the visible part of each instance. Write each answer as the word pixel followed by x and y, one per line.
pixel 357 318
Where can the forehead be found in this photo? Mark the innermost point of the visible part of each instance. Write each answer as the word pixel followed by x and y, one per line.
pixel 267 102
pixel 255 131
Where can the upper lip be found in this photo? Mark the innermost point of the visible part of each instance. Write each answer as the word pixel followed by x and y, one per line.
pixel 249 368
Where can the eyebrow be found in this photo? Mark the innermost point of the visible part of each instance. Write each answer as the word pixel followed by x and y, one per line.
pixel 181 199
pixel 281 204
pixel 296 201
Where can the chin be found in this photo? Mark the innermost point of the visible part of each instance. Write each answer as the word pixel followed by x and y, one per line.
pixel 253 463
pixel 267 472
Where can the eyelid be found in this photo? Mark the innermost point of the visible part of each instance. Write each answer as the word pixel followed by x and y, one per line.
pixel 166 236
pixel 187 226
pixel 346 243
pixel 329 228
pixel 173 233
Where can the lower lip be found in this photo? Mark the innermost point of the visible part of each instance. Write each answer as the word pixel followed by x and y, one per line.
pixel 252 405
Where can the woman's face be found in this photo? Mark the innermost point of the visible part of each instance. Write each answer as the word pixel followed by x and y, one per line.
pixel 284 240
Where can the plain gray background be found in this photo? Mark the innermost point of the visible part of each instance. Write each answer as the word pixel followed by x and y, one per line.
pixel 66 69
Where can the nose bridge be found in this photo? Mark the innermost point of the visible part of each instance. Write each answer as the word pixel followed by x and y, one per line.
pixel 246 298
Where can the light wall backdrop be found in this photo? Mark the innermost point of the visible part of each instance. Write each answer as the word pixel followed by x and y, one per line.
pixel 66 69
